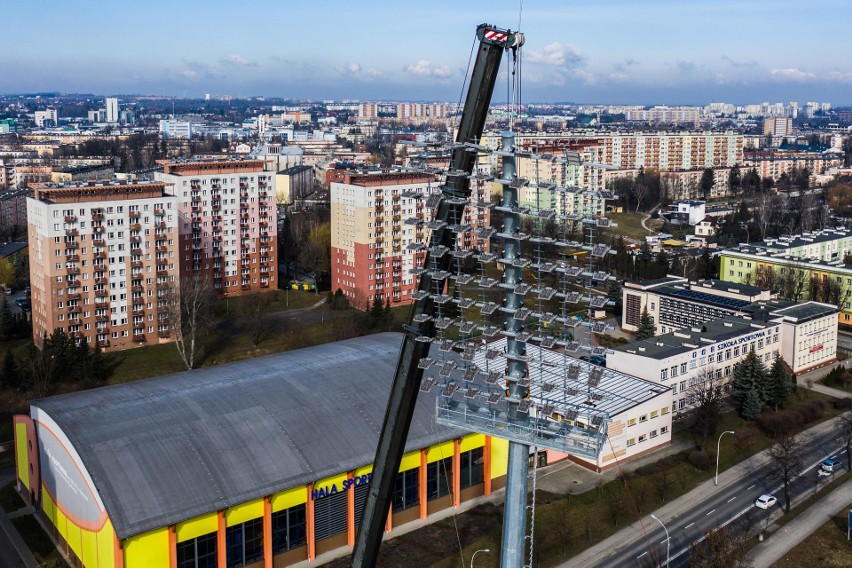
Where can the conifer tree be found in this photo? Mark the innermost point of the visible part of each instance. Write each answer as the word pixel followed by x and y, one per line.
pixel 779 383
pixel 750 382
pixel 646 326
pixel 751 406
pixel 9 373
pixel 7 320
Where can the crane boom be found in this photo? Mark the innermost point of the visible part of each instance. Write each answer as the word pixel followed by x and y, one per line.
pixel 406 383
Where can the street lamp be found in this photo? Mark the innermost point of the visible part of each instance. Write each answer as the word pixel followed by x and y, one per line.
pixel 718 445
pixel 668 541
pixel 477 552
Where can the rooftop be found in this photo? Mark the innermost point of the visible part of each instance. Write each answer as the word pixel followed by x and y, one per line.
pixel 806 311
pixel 688 339
pixel 247 429
pixel 8 249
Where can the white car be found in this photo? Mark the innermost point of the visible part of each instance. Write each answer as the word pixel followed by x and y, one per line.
pixel 765 501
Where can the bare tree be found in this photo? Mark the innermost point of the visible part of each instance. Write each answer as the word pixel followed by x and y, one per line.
pixel 722 547
pixel 640 191
pixel 764 211
pixel 707 399
pixel 844 424
pixel 256 317
pixel 190 312
pixel 786 463
pixel 792 282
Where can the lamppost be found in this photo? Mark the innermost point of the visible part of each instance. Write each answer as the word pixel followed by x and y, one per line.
pixel 668 541
pixel 477 552
pixel 718 446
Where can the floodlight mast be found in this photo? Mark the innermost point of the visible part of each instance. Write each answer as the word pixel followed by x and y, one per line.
pixel 406 383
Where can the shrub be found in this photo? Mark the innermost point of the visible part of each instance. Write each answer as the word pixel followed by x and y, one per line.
pixel 842 403
pixel 700 459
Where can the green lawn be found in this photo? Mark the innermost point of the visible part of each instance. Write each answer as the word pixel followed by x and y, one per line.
pixel 629 225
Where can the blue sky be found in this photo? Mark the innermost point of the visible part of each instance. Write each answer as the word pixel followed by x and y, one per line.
pixel 606 51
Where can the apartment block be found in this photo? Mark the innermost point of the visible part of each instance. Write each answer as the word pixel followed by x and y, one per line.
pixel 102 258
pixel 370 254
pixel 227 222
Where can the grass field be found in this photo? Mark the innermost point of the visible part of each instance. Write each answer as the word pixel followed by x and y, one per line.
pixel 629 225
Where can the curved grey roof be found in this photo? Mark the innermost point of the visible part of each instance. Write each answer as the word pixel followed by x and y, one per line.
pixel 171 448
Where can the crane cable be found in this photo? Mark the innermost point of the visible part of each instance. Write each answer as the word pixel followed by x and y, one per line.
pixel 461 91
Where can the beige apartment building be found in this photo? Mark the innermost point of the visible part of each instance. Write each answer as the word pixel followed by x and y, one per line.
pixel 102 258
pixel 227 222
pixel 379 232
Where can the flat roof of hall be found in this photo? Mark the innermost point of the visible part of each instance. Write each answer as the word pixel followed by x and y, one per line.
pixel 171 448
pixel 686 340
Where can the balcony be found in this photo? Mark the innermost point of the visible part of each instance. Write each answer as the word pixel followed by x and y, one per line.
pixel 159 212
pixel 98 243
pixel 136 264
pixel 138 289
pixel 264 284
pixel 98 230
pixel 163 334
pixel 70 218
pixel 100 280
pixel 73 297
pixel 216 186
pixel 72 258
pixel 162 274
pixel 246 287
pixel 135 227
pixel 97 216
pixel 134 214
pixel 72 270
pixel 135 240
pixel 139 338
pixel 73 283
pixel 101 293
pixel 71 232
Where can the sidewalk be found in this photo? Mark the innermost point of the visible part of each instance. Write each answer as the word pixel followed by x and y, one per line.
pixel 790 535
pixel 817 375
pixel 610 546
pixel 25 556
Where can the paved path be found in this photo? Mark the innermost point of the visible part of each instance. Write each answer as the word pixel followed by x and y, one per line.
pixel 14 552
pixel 797 530
pixel 817 375
pixel 648 216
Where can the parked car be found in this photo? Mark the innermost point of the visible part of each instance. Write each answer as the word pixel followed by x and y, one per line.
pixel 829 465
pixel 765 501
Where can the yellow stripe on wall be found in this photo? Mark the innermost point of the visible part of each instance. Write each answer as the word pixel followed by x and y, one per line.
pixel 410 461
pixel 289 498
pixel 439 452
pixel 21 454
pixel 241 513
pixel 147 550
pixel 194 528
pixel 472 441
pixel 499 457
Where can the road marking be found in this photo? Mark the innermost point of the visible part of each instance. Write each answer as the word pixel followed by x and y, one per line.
pixel 687 526
pixel 710 512
pixel 643 554
pixel 732 498
pixel 750 486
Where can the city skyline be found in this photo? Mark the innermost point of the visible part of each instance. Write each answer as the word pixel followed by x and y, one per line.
pixel 614 52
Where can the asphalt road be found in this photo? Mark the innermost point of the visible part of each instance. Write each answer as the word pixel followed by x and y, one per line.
pixel 732 505
pixel 844 341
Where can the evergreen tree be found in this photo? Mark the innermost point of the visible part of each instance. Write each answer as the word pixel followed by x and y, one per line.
pixel 779 384
pixel 376 311
pixel 387 315
pixel 661 268
pixel 9 374
pixel 750 382
pixel 614 295
pixel 646 326
pixel 735 179
pixel 708 180
pixel 752 406
pixel 8 324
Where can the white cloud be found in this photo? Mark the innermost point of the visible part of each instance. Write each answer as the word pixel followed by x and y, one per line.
pixel 356 71
pixel 558 55
pixel 838 77
pixel 238 61
pixel 791 74
pixel 424 68
pixel 196 71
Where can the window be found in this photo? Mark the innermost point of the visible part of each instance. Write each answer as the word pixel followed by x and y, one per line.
pixel 199 552
pixel 244 543
pixel 654 414
pixel 643 418
pixel 653 433
pixel 664 374
pixel 406 492
pixel 288 529
pixel 673 371
pixel 631 422
pixel 439 478
pixel 631 442
pixel 472 468
pixel 665 410
pixel 682 368
pixel 664 429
